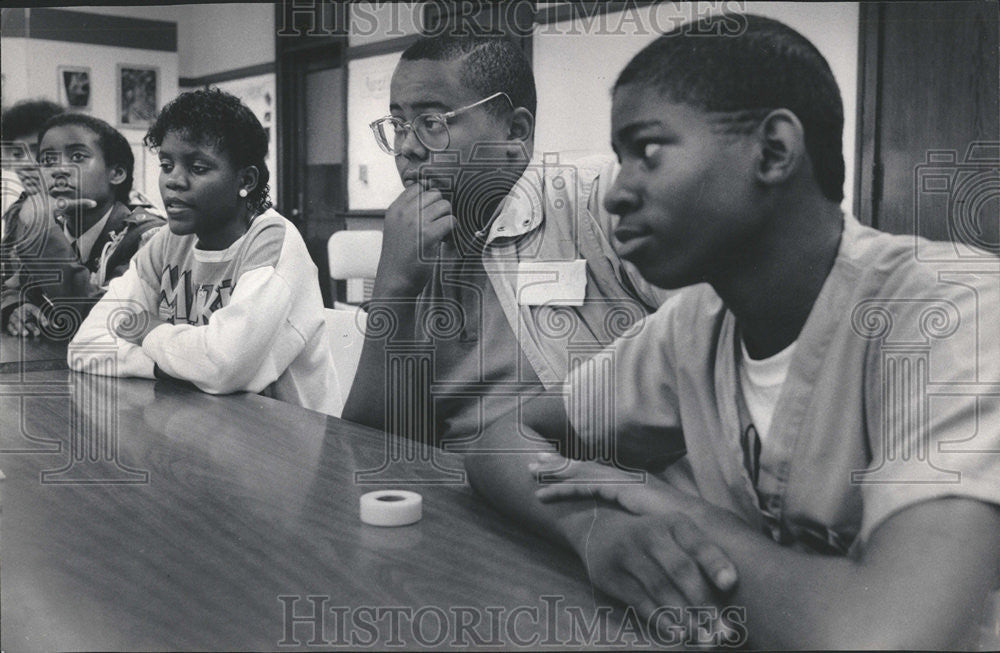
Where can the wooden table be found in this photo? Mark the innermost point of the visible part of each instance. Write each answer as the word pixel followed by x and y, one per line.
pixel 31 354
pixel 144 515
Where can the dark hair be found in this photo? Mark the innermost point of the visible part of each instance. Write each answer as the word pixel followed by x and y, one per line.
pixel 490 64
pixel 218 117
pixel 27 117
pixel 114 147
pixel 747 72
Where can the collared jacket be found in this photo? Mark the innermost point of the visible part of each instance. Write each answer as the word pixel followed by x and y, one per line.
pixel 555 214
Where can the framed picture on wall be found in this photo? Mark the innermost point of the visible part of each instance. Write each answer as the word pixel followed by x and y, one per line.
pixel 74 87
pixel 138 95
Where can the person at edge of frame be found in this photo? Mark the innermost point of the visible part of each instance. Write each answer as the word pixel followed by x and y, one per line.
pixel 851 522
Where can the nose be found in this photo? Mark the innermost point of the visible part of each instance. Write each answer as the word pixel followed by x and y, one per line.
pixel 411 147
pixel 173 180
pixel 57 174
pixel 622 198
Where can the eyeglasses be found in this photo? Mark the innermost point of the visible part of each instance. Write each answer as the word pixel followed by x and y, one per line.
pixel 431 129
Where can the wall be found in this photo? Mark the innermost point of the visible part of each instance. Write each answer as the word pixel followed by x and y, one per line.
pixel 171 13
pixel 372 182
pixel 371 22
pixel 30 69
pixel 216 38
pixel 576 63
pixel 575 66
pixel 211 39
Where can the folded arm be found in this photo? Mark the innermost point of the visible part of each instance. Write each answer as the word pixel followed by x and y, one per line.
pixel 240 348
pixel 921 581
pixel 125 307
pixel 500 472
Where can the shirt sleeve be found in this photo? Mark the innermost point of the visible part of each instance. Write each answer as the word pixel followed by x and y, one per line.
pixel 623 401
pixel 244 347
pixel 96 349
pixel 934 400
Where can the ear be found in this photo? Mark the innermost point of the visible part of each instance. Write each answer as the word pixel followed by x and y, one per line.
pixel 782 147
pixel 249 178
pixel 117 175
pixel 522 125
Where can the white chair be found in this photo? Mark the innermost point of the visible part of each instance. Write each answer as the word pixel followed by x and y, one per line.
pixel 346 330
pixel 353 257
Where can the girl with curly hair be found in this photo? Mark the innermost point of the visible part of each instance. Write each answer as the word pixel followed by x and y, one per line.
pixel 227 298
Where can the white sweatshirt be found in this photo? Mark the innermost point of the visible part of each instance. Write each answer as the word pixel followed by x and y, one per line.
pixel 248 318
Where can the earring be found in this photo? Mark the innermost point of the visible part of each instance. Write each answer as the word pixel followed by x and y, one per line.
pixel 243 192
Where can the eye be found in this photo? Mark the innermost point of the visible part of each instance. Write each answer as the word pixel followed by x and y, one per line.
pixel 166 166
pixel 649 150
pixel 78 157
pixel 398 127
pixel 434 125
pixel 48 160
pixel 199 169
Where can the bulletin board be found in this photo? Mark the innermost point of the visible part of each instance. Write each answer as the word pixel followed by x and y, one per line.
pixel 372 180
pixel 257 93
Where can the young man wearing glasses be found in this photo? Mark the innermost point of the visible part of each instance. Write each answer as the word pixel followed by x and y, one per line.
pixel 498 268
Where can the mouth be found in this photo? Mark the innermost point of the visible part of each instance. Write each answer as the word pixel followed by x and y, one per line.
pixel 630 238
pixel 176 206
pixel 428 180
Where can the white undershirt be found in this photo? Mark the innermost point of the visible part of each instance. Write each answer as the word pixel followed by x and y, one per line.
pixel 761 382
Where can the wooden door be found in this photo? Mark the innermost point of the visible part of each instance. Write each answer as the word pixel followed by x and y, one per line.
pixel 930 120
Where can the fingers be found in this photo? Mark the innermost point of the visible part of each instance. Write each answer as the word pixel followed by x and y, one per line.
pixel 416 206
pixel 36 314
pixel 637 574
pixel 642 599
pixel 22 323
pixel 64 205
pixel 40 205
pixel 439 228
pixel 426 197
pixel 674 570
pixel 558 468
pixel 434 211
pixel 559 491
pixel 415 196
pixel 711 559
pixel 552 464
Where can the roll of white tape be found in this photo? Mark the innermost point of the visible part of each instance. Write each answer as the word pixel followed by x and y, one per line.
pixel 391 508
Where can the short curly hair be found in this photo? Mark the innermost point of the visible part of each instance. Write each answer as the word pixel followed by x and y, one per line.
pixel 216 116
pixel 114 147
pixel 745 73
